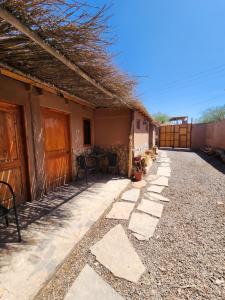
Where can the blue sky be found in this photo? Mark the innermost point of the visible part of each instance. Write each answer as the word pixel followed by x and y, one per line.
pixel 178 46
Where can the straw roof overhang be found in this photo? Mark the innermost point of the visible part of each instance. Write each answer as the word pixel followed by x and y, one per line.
pixel 75 35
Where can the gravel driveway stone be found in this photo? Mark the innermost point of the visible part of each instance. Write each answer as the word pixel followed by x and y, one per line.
pixel 185 257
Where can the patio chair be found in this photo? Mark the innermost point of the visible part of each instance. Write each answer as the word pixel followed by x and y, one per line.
pixel 85 165
pixel 6 209
pixel 113 163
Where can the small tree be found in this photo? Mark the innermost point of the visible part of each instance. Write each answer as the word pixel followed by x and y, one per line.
pixel 161 117
pixel 213 114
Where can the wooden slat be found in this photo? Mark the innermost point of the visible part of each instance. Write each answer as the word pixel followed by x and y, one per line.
pixel 178 136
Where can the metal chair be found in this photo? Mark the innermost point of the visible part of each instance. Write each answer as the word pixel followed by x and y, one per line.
pixel 82 162
pixel 4 210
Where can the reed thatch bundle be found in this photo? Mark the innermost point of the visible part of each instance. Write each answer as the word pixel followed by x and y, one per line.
pixel 76 30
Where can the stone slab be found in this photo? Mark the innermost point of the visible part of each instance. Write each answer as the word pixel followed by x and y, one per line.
pixel 155 196
pixel 151 207
pixel 152 177
pixel 163 154
pixel 164 160
pixel 121 211
pixel 143 224
pixel 165 164
pixel 139 237
pixel 131 195
pixel 90 286
pixel 116 253
pixel 139 184
pixel 161 181
pixel 155 188
pixel 164 171
pixel 48 241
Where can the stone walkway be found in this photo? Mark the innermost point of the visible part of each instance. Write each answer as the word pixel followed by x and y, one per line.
pixel 114 251
pixel 46 242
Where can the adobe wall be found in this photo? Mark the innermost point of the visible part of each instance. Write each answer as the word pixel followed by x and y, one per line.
pixel 141 136
pixel 112 129
pixel 211 134
pixel 198 136
pixel 15 92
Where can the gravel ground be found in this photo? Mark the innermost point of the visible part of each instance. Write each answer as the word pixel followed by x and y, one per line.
pixel 186 257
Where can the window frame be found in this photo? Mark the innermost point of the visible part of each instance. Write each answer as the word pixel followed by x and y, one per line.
pixel 87 145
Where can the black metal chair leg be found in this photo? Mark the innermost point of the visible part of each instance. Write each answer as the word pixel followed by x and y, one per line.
pixel 6 221
pixel 7 211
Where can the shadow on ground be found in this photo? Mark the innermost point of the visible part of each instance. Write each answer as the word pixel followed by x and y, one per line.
pixel 213 160
pixel 49 205
pixel 176 149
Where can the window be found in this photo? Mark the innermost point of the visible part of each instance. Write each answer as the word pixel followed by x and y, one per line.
pixel 87 131
pixel 138 124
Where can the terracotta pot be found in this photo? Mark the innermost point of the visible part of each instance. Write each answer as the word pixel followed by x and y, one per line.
pixel 138 176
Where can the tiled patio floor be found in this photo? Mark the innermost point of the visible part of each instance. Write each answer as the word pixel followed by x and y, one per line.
pixel 50 229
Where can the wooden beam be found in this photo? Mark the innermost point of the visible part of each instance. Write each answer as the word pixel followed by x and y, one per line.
pixel 17 75
pixel 131 146
pixel 8 17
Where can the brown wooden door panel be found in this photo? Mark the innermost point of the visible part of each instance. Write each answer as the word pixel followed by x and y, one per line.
pixel 12 153
pixel 178 136
pixel 57 148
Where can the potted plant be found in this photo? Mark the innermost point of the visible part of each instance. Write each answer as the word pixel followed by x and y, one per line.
pixel 145 163
pixel 137 173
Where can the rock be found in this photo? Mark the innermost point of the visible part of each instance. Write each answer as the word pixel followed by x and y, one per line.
pixel 120 211
pixel 131 195
pixel 219 281
pixel 89 285
pixel 143 224
pixel 151 207
pixel 155 188
pixel 155 196
pixel 116 253
pixel 164 171
pixel 161 181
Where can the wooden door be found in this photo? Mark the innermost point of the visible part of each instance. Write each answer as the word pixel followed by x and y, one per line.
pixel 12 154
pixel 57 148
pixel 176 136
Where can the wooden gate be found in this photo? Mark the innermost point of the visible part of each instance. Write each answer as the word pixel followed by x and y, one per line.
pixel 57 148
pixel 12 153
pixel 175 136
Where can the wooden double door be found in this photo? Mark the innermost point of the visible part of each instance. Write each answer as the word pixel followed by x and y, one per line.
pixel 13 168
pixel 176 136
pixel 57 149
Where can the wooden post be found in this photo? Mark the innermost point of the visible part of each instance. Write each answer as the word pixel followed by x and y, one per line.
pixel 131 137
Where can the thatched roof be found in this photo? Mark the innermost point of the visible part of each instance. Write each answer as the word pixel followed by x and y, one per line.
pixel 75 32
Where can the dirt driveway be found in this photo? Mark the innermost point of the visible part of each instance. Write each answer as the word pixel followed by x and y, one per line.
pixel 185 257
